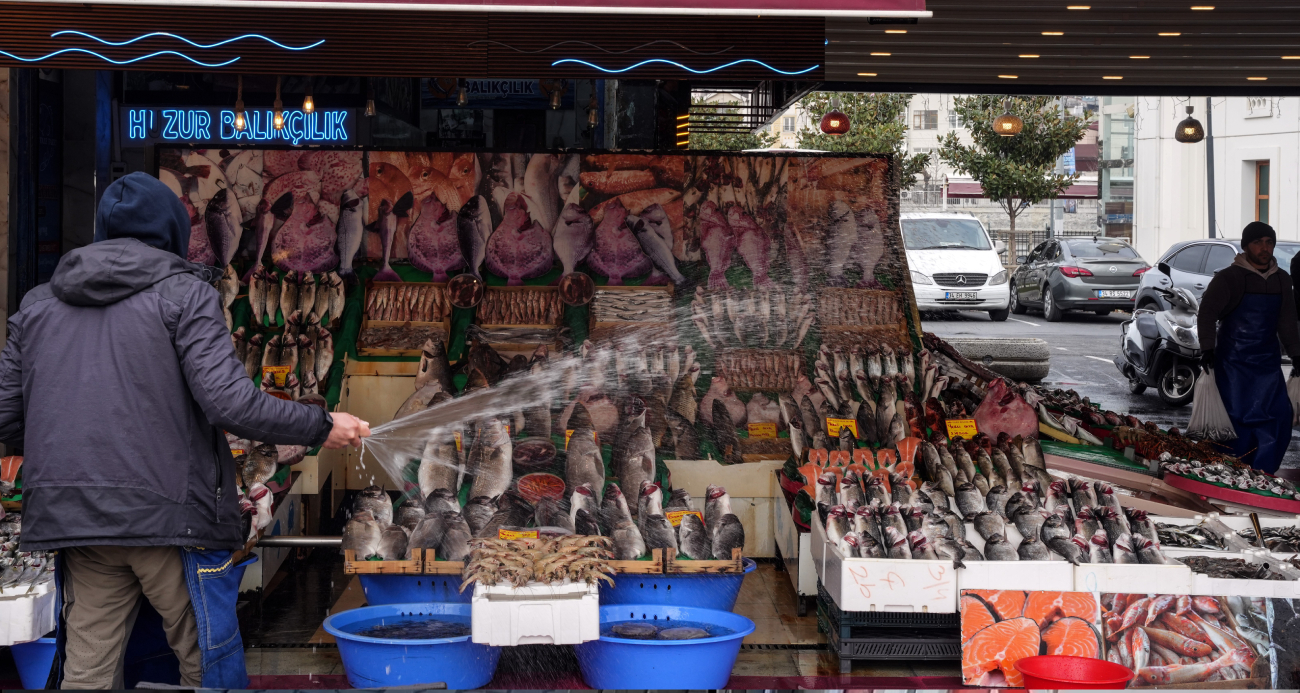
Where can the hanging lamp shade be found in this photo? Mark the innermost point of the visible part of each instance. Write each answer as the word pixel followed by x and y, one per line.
pixel 1008 124
pixel 1190 130
pixel 835 122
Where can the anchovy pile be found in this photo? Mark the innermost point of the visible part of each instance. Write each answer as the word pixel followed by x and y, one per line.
pixel 407 302
pixel 519 306
pixel 316 296
pixel 1189 536
pixel 859 307
pixel 1236 477
pixel 1229 568
pixel 756 319
pixel 519 562
pixel 1276 539
pixel 632 306
pixel 20 571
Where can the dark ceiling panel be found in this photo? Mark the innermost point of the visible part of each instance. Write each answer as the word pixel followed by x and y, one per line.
pixel 970 44
pixel 413 44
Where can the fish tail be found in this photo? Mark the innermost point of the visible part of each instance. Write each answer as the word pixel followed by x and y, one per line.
pixel 387 275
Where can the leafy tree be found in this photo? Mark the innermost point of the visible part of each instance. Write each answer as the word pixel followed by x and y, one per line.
pixel 1014 171
pixel 877 125
pixel 726 141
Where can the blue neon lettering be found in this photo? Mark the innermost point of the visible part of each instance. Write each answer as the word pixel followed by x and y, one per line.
pixel 226 125
pixel 340 131
pixel 136 129
pixel 169 124
pixel 293 126
pixel 212 125
pixel 204 125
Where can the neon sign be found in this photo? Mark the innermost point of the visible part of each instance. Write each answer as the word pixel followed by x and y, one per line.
pixel 152 125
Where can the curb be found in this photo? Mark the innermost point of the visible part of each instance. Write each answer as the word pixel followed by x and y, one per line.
pixel 1017 358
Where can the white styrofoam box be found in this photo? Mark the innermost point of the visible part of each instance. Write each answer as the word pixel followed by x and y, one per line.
pixel 1017 575
pixel 535 614
pixel 26 615
pixel 1228 587
pixel 884 584
pixel 795 551
pixel 1174 578
pixel 1234 522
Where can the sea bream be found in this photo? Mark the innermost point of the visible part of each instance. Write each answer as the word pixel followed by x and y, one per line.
pixel 573 236
pixel 490 459
pixel 389 214
pixel 432 243
pixel 473 229
pixel 200 249
pixel 520 247
pixel 583 462
pixel 439 464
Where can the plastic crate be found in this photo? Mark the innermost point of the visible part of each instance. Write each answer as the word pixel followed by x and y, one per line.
pixel 884 619
pixel 536 614
pixel 889 643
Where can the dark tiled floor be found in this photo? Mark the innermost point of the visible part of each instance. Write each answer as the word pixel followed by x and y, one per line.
pixel 302 595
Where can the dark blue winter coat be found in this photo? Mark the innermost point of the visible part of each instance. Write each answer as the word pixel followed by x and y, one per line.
pixel 118 380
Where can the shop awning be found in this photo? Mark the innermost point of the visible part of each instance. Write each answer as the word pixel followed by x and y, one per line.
pixel 970 190
pixel 789 8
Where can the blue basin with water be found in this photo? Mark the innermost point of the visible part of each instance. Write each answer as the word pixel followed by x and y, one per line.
pixel 414 589
pixel 623 663
pixel 34 660
pixel 385 663
pixel 707 591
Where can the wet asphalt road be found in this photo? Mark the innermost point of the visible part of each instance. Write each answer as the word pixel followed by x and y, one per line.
pixel 1082 347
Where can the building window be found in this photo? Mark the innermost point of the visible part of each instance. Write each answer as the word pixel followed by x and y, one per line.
pixel 925 120
pixel 787 124
pixel 952 120
pixel 1261 191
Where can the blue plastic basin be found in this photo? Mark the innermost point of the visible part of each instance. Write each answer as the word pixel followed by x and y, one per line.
pixel 414 589
pixel 622 663
pixel 383 663
pixel 34 660
pixel 704 591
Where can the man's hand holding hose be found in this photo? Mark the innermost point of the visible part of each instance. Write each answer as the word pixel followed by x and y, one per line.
pixel 347 430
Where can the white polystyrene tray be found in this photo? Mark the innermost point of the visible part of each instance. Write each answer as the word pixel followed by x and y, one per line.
pixel 26 615
pixel 884 584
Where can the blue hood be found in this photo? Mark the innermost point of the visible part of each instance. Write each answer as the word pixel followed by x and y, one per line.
pixel 140 206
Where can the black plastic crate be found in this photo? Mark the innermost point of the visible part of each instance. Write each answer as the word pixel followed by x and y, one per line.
pixel 886 619
pixel 892 643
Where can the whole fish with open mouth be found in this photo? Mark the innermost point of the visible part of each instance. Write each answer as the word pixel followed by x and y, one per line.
pixel 520 248
pixel 1099 548
pixel 433 244
pixel 490 459
pixel 473 229
pixel 583 498
pixel 388 216
pixel 585 523
pixel 351 230
pixel 1123 550
pixel 613 508
pixel 655 234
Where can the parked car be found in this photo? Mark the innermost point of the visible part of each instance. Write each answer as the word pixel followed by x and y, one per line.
pixel 955 264
pixel 1192 265
pixel 1096 274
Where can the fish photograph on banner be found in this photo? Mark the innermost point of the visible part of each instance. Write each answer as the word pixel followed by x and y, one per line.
pixel 1001 627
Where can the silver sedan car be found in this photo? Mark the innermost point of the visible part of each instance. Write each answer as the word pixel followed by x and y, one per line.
pixel 1093 274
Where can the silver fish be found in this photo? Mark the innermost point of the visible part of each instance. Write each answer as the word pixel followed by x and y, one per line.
pixel 897 544
pixel 455 539
pixel 1099 548
pixel 969 500
pixel 997 548
pixel 1032 549
pixel 727 536
pixel 439 465
pixel 1054 527
pixel 989 523
pixel 628 542
pixel 225 225
pixel 655 234
pixel 658 533
pixel 1123 550
pixel 490 459
pixel 410 513
pixel 920 547
pixel 351 230
pixel 261 465
pixel 693 539
pixel 1067 549
pixel 361 534
pixel 1148 551
pixel 288 295
pixel 477 513
pixel 473 228
pixel 584 464
pixel 427 534
pixel 374 500
pixel 392 543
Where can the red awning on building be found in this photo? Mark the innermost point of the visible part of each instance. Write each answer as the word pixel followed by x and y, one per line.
pixel 1078 191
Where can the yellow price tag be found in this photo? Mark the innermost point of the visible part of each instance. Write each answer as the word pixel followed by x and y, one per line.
pixel 833 427
pixel 456 435
pixel 568 433
pixel 762 430
pixel 962 428
pixel 516 534
pixel 278 374
pixel 236 452
pixel 675 516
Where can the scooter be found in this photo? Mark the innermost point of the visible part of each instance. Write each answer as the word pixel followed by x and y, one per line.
pixel 1160 349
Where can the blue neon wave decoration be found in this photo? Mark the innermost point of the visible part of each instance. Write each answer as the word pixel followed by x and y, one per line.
pixel 115 62
pixel 178 37
pixel 688 69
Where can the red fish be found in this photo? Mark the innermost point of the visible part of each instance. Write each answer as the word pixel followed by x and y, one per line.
pixel 1205 605
pixel 1177 642
pixel 1191 673
pixel 1184 604
pixel 617 253
pixel 718 241
pixel 432 243
pixel 1184 627
pixel 1132 616
pixel 1159 605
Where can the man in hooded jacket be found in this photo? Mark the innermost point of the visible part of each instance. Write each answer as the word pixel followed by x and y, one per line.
pixel 1248 308
pixel 117 381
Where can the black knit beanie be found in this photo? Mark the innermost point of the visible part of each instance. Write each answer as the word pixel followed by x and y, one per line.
pixel 1256 230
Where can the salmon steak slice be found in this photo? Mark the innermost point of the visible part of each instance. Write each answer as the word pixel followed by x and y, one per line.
pixel 989 657
pixel 1005 603
pixel 975 616
pixel 1072 637
pixel 1045 607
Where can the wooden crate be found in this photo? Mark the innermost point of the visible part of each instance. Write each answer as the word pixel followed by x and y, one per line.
pixel 441 329
pixel 353 566
pixel 735 565
pixel 654 566
pixel 434 567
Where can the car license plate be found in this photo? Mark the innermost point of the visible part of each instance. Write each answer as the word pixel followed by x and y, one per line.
pixel 962 295
pixel 1112 294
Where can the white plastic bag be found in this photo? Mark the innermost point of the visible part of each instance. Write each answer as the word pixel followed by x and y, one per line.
pixel 1293 394
pixel 1209 416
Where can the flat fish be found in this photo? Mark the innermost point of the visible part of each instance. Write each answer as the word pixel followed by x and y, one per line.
pixel 432 243
pixel 718 242
pixel 617 253
pixel 752 243
pixel 305 243
pixel 573 236
pixel 200 249
pixel 635 631
pixel 683 634
pixel 337 170
pixel 519 248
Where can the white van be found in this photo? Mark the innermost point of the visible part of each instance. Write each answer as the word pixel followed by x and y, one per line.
pixel 955 264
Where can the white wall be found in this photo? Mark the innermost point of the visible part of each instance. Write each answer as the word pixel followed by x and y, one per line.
pixel 1170 178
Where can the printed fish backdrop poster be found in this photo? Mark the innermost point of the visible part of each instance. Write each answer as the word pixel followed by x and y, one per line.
pixel 755 277
pixel 1165 639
